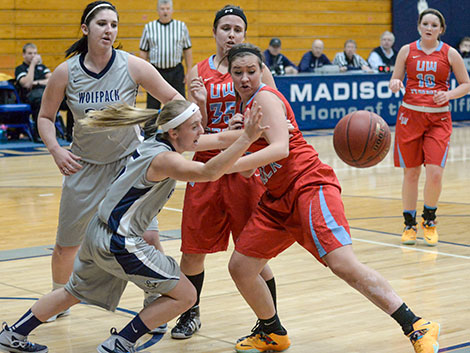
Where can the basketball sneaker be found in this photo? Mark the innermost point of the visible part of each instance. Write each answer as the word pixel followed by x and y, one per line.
pixel 409 235
pixel 13 342
pixel 59 315
pixel 159 330
pixel 262 342
pixel 424 336
pixel 116 344
pixel 187 324
pixel 430 232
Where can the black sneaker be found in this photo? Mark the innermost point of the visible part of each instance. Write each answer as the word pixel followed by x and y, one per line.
pixel 15 343
pixel 188 323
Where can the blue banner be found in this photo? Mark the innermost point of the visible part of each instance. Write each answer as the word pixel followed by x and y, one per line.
pixel 319 101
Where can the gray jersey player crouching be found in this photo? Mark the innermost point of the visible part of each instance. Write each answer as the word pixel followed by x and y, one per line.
pixel 113 252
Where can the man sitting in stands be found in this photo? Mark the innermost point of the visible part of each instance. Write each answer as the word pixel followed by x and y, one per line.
pixel 349 60
pixel 32 77
pixel 314 58
pixel 278 63
pixel 383 55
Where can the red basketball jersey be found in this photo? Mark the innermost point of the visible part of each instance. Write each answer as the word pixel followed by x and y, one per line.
pixel 426 74
pixel 302 165
pixel 220 105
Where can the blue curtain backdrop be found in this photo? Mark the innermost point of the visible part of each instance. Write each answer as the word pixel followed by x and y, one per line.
pixel 405 19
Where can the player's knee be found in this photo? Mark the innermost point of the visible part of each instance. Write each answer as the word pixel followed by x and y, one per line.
pixel 434 177
pixel 412 174
pixel 192 262
pixel 342 269
pixel 235 269
pixel 65 251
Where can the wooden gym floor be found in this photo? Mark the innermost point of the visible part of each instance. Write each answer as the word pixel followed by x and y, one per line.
pixel 321 313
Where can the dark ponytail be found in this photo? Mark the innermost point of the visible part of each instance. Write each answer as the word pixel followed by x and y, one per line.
pixel 81 45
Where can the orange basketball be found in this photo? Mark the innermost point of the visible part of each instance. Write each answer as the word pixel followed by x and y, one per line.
pixel 361 139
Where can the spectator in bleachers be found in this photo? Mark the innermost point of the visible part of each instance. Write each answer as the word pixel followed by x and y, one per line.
pixel 31 77
pixel 314 58
pixel 278 63
pixel 383 55
pixel 464 47
pixel 349 60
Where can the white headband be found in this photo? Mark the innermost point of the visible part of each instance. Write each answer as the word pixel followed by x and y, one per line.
pixel 181 118
pixel 97 6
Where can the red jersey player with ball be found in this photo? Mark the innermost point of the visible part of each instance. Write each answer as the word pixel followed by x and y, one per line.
pixel 302 203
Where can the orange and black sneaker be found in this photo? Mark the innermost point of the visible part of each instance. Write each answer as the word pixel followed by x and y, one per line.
pixel 424 336
pixel 409 235
pixel 262 342
pixel 430 232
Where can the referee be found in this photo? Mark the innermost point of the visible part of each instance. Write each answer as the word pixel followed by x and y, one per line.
pixel 164 43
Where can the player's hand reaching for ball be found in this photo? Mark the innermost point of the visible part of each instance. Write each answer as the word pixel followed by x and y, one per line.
pixel 198 90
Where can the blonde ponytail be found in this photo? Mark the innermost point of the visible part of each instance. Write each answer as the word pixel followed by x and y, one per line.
pixel 120 115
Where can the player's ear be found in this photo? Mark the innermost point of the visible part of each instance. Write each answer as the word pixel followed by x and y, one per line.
pixel 173 133
pixel 84 29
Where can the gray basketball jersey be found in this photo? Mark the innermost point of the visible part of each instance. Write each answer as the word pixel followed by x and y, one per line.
pixel 132 201
pixel 87 91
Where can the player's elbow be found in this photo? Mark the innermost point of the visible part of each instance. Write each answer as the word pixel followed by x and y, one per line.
pixel 248 173
pixel 277 151
pixel 210 173
pixel 213 177
pixel 285 152
pixel 282 151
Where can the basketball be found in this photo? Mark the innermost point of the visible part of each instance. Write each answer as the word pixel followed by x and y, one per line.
pixel 361 139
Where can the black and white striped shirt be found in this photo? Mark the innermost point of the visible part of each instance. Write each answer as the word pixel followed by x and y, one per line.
pixel 165 42
pixel 356 62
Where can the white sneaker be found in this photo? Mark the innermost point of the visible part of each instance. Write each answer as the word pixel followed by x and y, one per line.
pixel 13 342
pixel 116 344
pixel 159 330
pixel 61 314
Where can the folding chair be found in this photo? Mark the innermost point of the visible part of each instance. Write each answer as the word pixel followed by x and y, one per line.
pixel 13 113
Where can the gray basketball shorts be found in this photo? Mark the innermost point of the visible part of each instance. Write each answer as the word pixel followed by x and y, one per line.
pixel 82 192
pixel 107 261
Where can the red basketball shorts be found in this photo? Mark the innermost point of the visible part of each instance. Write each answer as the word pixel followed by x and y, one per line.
pixel 213 210
pixel 421 138
pixel 313 216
